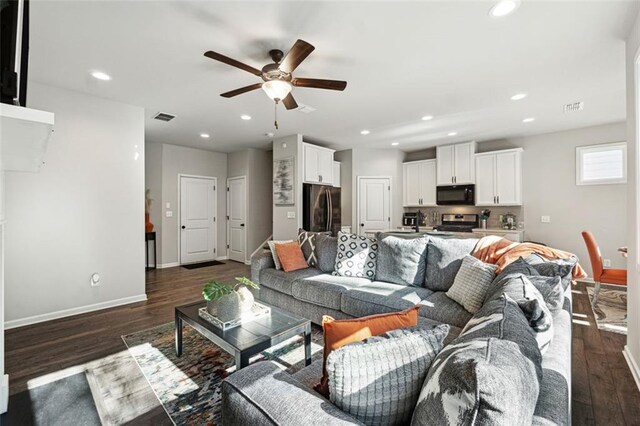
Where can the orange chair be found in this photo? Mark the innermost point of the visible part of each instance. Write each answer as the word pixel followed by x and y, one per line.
pixel 601 274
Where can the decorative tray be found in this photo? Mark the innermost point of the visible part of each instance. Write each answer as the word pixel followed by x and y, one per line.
pixel 257 311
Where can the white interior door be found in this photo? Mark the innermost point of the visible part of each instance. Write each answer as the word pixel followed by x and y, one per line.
pixel 374 205
pixel 197 219
pixel 237 216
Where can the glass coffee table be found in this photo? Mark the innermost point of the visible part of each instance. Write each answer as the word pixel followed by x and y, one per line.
pixel 248 339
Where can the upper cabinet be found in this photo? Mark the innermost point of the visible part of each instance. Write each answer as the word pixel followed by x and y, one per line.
pixel 317 164
pixel 455 164
pixel 499 178
pixel 419 183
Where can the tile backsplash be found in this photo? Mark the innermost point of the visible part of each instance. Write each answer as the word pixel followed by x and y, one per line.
pixel 494 218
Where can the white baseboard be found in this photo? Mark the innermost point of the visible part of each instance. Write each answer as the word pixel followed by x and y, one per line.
pixel 635 371
pixel 222 258
pixel 21 322
pixel 4 393
pixel 167 265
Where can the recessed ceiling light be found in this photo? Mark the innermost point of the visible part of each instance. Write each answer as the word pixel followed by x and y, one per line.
pixel 504 8
pixel 528 120
pixel 518 96
pixel 452 133
pixel 395 143
pixel 204 135
pixel 427 117
pixel 100 75
pixel 365 132
pixel 245 117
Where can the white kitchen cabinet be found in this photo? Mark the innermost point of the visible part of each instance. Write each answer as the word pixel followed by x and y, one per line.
pixel 419 183
pixel 317 164
pixel 455 164
pixel 499 178
pixel 337 179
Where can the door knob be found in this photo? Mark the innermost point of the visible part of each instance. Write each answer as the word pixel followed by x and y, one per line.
pixel 184 227
pixel 362 224
pixel 242 224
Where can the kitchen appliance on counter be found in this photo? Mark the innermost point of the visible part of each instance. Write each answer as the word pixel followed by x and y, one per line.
pixel 457 222
pixel 321 209
pixel 410 219
pixel 455 195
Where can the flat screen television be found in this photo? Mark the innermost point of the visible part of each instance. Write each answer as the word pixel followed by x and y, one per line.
pixel 14 51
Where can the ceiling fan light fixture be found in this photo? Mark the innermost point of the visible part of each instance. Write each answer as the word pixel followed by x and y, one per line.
pixel 277 89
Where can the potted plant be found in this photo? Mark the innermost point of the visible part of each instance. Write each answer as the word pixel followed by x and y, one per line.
pixel 229 302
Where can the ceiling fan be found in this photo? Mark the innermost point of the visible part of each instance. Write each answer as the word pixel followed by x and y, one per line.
pixel 277 77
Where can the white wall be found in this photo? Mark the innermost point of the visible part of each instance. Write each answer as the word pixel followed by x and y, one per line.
pixel 83 213
pixel 632 350
pixel 346 191
pixel 549 188
pixel 285 228
pixel 190 161
pixel 153 182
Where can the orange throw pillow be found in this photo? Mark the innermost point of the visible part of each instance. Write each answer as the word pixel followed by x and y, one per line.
pixel 290 256
pixel 338 333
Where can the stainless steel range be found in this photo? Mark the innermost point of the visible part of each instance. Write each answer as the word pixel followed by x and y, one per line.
pixel 457 222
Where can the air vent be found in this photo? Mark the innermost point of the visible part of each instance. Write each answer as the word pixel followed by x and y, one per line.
pixel 163 116
pixel 574 107
pixel 306 109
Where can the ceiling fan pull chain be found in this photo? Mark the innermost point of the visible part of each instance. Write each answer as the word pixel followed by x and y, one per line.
pixel 275 114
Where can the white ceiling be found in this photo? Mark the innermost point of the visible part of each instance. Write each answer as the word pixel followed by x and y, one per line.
pixel 402 61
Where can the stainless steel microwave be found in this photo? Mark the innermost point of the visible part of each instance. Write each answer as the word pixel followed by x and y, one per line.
pixel 455 195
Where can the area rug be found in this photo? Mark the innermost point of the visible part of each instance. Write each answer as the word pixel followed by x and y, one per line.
pixel 189 387
pixel 610 311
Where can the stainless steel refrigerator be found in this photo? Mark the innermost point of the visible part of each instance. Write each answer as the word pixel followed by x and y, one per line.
pixel 321 208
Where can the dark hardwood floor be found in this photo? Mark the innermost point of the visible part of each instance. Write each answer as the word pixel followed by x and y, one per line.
pixel 604 392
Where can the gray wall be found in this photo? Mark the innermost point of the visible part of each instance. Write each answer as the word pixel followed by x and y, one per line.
pixel 549 188
pixel 257 166
pixel 153 182
pixel 190 161
pixel 346 182
pixel 285 228
pixel 83 213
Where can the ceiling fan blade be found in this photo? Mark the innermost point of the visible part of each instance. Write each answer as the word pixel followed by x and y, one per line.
pixel 226 60
pixel 298 53
pixel 317 83
pixel 241 90
pixel 289 102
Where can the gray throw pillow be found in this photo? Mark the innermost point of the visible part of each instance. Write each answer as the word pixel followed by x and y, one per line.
pixel 307 242
pixel 378 381
pixel 513 270
pixel 552 290
pixel 558 268
pixel 326 250
pixel 471 283
pixel 479 382
pixel 401 260
pixel 444 257
pixel 356 256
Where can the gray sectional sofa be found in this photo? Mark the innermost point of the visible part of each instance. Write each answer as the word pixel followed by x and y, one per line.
pixel 263 394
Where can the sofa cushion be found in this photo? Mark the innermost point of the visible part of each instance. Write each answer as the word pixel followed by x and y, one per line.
pixel 471 283
pixel 437 306
pixel 375 297
pixel 356 256
pixel 326 250
pixel 325 290
pixel 554 268
pixel 401 260
pixel 387 393
pixel 551 289
pixel 478 382
pixel 282 281
pixel 513 270
pixel 444 257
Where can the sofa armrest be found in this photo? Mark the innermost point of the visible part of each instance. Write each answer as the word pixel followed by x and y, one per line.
pixel 263 394
pixel 259 261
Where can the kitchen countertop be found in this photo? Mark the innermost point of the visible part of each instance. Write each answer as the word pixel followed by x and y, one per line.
pixel 497 230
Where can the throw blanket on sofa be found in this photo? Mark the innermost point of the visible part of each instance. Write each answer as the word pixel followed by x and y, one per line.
pixel 501 252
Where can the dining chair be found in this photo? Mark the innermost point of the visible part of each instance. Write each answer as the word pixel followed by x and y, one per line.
pixel 601 275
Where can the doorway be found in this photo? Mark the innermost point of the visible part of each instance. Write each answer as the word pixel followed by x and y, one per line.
pixel 237 218
pixel 373 205
pixel 198 237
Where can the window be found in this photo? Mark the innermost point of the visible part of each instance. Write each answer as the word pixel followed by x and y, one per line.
pixel 601 164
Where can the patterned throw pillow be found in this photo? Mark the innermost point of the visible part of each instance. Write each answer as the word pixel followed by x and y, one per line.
pixel 378 381
pixel 307 241
pixel 356 256
pixel 272 247
pixel 471 283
